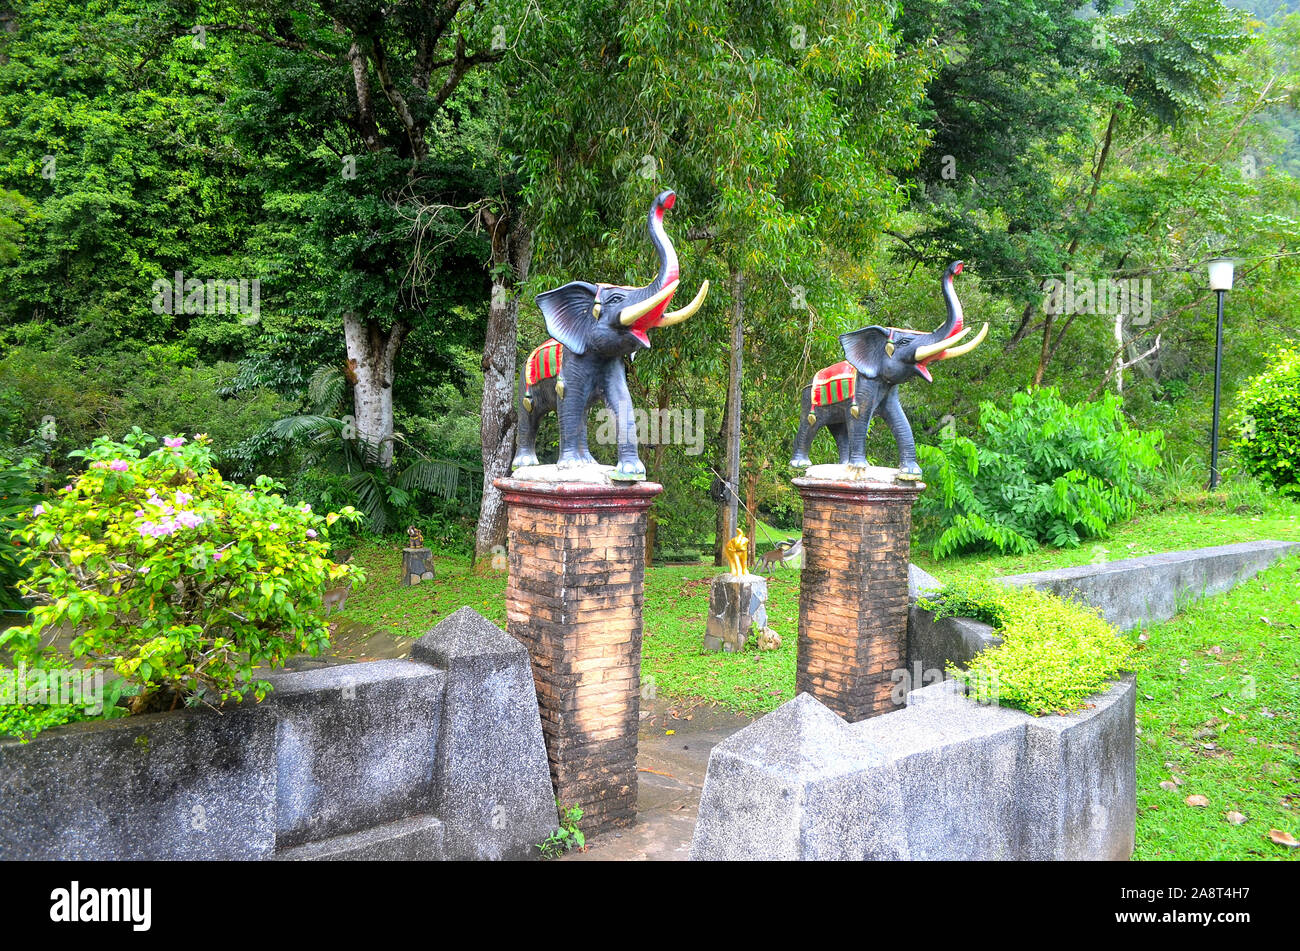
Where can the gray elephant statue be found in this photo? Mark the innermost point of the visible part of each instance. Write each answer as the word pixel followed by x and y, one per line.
pixel 593 327
pixel 844 398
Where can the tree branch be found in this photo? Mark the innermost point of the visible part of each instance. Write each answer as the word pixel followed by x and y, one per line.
pixel 283 42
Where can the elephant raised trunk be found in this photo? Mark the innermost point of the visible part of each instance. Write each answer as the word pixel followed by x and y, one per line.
pixel 845 397
pixel 593 327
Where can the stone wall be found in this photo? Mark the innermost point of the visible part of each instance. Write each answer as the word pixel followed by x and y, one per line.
pixel 944 778
pixel 437 757
pixel 1134 591
pixel 1149 589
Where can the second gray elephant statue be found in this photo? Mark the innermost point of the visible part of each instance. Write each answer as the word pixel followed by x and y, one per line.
pixel 846 396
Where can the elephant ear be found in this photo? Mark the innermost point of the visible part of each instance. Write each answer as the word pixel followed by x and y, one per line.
pixel 567 311
pixel 865 349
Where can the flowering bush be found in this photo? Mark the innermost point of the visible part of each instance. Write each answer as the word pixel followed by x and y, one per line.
pixel 181 582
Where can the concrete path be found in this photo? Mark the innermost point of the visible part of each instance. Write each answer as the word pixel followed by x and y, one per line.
pixel 670 777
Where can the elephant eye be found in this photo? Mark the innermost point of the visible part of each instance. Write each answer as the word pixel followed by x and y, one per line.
pixel 614 299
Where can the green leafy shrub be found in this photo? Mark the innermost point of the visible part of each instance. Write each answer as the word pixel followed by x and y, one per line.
pixel 1268 424
pixel 1044 471
pixel 181 582
pixel 32 700
pixel 19 493
pixel 1054 653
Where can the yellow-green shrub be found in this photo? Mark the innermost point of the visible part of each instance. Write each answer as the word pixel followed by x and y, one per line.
pixel 1054 653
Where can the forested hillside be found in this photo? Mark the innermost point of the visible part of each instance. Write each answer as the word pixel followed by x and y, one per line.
pixel 315 231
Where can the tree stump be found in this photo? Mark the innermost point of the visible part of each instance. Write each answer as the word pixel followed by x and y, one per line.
pixel 417 566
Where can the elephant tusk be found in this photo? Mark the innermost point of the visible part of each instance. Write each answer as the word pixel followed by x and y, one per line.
pixel 926 352
pixel 677 316
pixel 968 346
pixel 632 314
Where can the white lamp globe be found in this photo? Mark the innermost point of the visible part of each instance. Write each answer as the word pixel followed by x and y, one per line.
pixel 1221 274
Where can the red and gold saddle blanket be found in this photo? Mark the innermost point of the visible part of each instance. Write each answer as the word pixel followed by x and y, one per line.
pixel 834 384
pixel 544 362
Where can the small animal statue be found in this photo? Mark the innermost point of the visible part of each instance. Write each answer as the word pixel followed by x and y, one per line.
pixel 414 538
pixel 768 640
pixel 737 552
pixel 782 553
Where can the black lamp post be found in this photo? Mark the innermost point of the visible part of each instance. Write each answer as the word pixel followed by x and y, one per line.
pixel 1220 283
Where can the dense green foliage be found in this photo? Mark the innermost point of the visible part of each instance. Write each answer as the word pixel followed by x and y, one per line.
pixel 1268 423
pixel 829 160
pixel 19 493
pixel 181 582
pixel 1043 471
pixel 1054 653
pixel 30 697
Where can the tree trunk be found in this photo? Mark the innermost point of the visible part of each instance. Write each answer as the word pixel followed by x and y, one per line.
pixel 512 250
pixel 1045 353
pixel 751 519
pixel 731 439
pixel 372 353
pixel 1118 365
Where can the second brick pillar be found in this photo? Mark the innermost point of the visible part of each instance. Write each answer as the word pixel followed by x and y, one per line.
pixel 853 593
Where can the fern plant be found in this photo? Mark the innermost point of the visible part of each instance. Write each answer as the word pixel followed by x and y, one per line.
pixel 1043 471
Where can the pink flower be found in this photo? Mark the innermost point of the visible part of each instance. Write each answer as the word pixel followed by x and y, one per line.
pixel 67 488
pixel 305 507
pixel 311 533
pixel 189 519
pixel 99 465
pixel 39 510
pixel 275 526
pixel 139 512
pixel 218 555
pixel 174 442
pixel 182 497
pixel 156 529
pixel 119 465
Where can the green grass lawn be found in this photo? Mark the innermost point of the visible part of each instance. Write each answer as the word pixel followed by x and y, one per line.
pixel 754 682
pixel 384 604
pixel 1148 534
pixel 1218 708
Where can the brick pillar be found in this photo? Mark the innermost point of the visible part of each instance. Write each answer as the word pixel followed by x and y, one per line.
pixel 853 593
pixel 577 567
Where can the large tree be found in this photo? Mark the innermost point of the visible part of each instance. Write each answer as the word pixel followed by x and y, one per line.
pixel 382 153
pixel 1029 115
